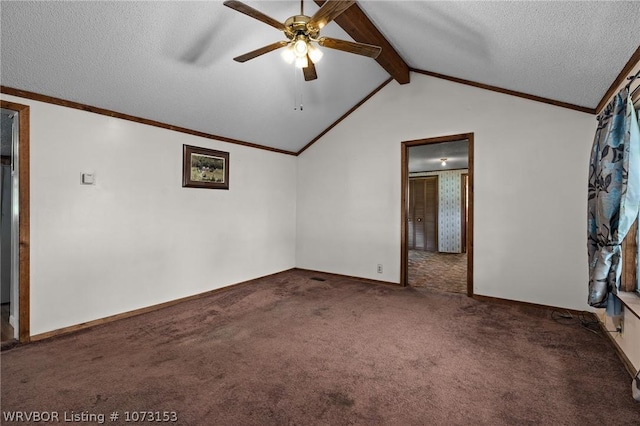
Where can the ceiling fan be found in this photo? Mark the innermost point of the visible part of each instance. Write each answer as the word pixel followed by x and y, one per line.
pixel 302 31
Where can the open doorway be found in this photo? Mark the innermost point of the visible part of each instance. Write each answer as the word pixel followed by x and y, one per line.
pixel 14 226
pixel 437 213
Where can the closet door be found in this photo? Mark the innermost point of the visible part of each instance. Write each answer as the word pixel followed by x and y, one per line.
pixel 411 217
pixel 431 214
pixel 423 214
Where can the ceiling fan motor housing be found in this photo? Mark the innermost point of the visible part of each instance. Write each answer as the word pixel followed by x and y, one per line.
pixel 297 25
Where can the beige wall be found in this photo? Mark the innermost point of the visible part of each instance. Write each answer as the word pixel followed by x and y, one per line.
pixel 137 238
pixel 531 165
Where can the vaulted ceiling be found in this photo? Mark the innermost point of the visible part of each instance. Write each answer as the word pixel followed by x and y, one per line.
pixel 172 62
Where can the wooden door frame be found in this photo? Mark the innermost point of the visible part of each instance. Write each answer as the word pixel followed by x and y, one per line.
pixel 24 334
pixel 464 188
pixel 404 253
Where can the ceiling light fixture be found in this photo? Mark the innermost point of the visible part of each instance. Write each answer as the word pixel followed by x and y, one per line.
pixel 297 51
pixel 302 62
pixel 444 162
pixel 288 55
pixel 300 47
pixel 303 35
pixel 315 54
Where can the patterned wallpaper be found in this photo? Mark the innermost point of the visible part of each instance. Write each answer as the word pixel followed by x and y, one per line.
pixel 449 226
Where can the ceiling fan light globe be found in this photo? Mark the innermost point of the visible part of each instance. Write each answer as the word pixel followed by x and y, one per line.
pixel 315 54
pixel 300 48
pixel 288 55
pixel 302 62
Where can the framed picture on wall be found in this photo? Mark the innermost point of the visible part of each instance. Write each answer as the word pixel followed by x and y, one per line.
pixel 204 168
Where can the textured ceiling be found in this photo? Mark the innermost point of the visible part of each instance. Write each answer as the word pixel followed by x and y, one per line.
pixel 172 61
pixel 568 51
pixel 426 158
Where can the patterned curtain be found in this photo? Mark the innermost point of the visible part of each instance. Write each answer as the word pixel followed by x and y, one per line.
pixel 614 195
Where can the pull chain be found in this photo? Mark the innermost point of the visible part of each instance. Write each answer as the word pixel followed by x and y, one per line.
pixel 297 94
pixel 300 87
pixel 295 90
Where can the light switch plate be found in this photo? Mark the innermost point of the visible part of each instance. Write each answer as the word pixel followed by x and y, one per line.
pixel 88 178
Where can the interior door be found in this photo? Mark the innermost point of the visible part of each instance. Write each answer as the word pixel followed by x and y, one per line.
pixel 423 214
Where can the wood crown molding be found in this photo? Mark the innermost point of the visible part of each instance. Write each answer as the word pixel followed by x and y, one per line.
pixel 335 123
pixel 75 105
pixel 631 63
pixel 507 91
pixel 356 23
pixel 96 110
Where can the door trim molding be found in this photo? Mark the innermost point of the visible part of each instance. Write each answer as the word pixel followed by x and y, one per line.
pixel 24 218
pixel 404 254
pixel 464 189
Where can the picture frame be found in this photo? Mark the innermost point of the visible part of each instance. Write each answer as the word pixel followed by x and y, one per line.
pixel 204 168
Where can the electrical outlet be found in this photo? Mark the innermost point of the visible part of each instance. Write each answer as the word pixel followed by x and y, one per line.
pixel 379 268
pixel 620 327
pixel 618 323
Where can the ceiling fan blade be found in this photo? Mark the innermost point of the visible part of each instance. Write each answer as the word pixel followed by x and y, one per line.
pixel 261 51
pixel 351 47
pixel 328 12
pixel 309 71
pixel 256 14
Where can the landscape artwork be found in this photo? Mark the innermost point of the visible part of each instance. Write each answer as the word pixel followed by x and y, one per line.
pixel 205 168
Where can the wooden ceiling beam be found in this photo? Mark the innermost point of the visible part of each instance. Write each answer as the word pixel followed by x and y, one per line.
pixel 361 29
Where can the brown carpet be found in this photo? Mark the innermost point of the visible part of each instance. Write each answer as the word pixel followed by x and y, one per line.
pixel 438 271
pixel 290 350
